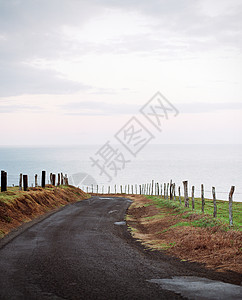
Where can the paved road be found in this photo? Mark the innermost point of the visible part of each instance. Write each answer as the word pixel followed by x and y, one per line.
pixel 80 253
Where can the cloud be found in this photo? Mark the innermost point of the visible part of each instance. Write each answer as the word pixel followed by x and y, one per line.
pixel 175 29
pixel 203 107
pixel 98 108
pixel 104 108
pixel 36 28
pixel 17 79
pixel 30 30
pixel 17 108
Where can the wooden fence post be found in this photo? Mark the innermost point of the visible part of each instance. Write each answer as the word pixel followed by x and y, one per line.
pixel 121 189
pixel 179 193
pixel 140 189
pixel 231 205
pixel 109 189
pixel 167 192
pixel 214 202
pixel 174 191
pixel 186 194
pixel 132 189
pixel 59 179
pixel 202 197
pixel 25 182
pixel 164 190
pixel 161 190
pixel 171 194
pixel 62 179
pixel 43 179
pixel 35 180
pixel 53 179
pixel 152 187
pixel 193 200
pixel 20 181
pixel 158 191
pixel 103 189
pixel 115 191
pixel 3 181
pixel 136 189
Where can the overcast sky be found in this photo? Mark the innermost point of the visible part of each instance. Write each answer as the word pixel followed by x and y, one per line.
pixel 74 72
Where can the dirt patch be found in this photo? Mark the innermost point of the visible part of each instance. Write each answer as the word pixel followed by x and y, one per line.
pixel 37 201
pixel 163 229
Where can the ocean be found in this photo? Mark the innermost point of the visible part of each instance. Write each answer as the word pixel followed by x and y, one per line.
pixel 212 165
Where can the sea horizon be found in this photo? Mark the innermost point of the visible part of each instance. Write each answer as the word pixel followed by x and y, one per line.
pixel 216 165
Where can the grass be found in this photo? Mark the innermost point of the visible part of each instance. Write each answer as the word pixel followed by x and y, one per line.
pixel 187 234
pixel 17 207
pixel 11 194
pixel 206 219
pixel 14 192
pixel 164 246
pixel 158 216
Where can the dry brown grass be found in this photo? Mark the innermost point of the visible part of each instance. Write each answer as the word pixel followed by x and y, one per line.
pixel 37 201
pixel 156 228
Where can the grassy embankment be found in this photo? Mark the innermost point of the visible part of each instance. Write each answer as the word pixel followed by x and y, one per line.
pixel 206 219
pixel 18 207
pixel 190 235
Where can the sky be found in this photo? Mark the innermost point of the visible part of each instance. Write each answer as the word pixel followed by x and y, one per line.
pixel 74 72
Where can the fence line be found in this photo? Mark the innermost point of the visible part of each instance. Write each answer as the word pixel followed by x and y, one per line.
pixel 168 191
pixel 164 190
pixel 24 180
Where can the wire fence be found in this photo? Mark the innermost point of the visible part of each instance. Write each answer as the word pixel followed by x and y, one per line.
pixel 168 190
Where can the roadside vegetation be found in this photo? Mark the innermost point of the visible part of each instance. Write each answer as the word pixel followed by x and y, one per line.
pixel 165 225
pixel 206 219
pixel 18 207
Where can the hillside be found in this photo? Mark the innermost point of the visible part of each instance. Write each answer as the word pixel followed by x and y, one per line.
pixel 18 207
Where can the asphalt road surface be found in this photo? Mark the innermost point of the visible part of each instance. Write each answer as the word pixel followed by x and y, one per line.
pixel 84 251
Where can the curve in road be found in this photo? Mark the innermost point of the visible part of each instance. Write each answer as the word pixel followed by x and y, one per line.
pixel 85 251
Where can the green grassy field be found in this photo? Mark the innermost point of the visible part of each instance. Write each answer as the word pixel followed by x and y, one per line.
pixel 207 220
